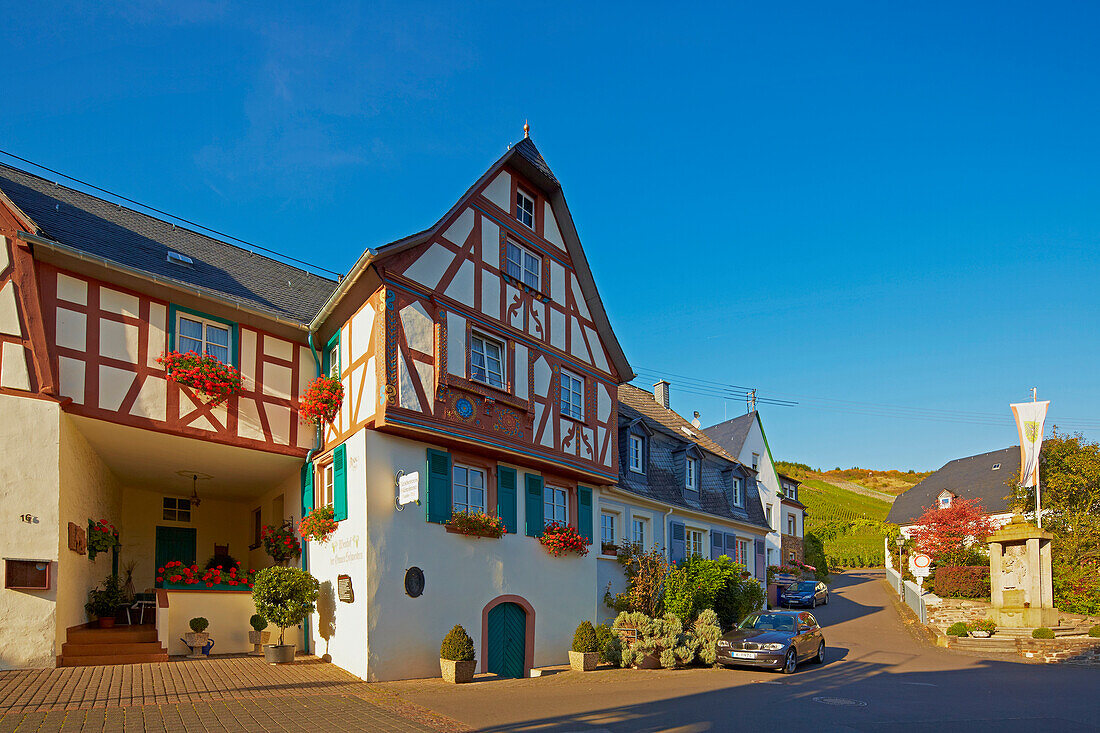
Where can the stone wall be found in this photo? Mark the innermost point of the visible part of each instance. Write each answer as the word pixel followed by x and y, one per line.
pixel 1061 651
pixel 790 544
pixel 952 610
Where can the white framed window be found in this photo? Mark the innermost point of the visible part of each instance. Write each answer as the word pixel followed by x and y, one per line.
pixel 572 395
pixel 556 505
pixel 792 525
pixel 607 528
pixel 743 552
pixel 176 510
pixel 203 336
pixel 325 485
pixel 755 461
pixel 487 360
pixel 523 264
pixel 334 362
pixel 768 514
pixel 945 499
pixel 691 475
pixel 467 489
pixel 635 453
pixel 694 542
pixel 638 531
pixel 737 491
pixel 525 209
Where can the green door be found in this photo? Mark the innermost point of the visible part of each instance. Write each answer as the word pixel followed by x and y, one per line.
pixel 507 640
pixel 175 543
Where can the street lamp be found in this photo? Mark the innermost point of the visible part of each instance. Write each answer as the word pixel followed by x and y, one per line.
pixel 900 540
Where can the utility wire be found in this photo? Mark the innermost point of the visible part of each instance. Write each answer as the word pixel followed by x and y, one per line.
pixel 248 244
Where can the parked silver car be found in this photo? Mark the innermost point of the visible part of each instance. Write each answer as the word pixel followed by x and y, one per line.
pixel 773 640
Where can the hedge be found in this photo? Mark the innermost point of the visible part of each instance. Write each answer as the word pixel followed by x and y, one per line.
pixel 962 581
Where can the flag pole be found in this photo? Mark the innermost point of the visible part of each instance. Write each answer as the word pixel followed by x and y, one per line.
pixel 1038 493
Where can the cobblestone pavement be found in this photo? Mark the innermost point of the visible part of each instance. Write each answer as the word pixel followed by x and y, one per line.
pixel 222 694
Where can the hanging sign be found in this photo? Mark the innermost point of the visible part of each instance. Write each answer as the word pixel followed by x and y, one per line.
pixel 1030 417
pixel 408 488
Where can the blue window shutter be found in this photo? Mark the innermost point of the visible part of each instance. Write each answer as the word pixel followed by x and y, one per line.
pixel 439 486
pixel 307 489
pixel 677 545
pixel 533 505
pixel 716 548
pixel 584 512
pixel 506 496
pixel 340 483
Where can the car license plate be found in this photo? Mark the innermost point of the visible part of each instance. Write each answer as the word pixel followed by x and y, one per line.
pixel 743 655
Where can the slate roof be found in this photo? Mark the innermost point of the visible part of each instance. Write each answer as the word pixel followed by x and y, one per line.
pixel 527 149
pixel 127 237
pixel 731 434
pixel 969 478
pixel 663 481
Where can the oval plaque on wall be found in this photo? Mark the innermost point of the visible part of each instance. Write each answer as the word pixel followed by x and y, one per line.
pixel 414 582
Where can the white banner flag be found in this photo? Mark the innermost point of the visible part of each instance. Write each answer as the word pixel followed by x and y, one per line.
pixel 1030 417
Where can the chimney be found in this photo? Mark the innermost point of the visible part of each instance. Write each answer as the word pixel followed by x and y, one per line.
pixel 695 420
pixel 660 393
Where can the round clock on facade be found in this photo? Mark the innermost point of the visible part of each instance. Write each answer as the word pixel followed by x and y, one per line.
pixel 414 582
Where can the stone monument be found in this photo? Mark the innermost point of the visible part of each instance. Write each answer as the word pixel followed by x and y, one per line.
pixel 1019 575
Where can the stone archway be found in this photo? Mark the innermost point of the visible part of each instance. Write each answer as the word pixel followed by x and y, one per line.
pixel 529 630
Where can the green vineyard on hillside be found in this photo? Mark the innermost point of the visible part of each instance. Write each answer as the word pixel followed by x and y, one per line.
pixel 830 508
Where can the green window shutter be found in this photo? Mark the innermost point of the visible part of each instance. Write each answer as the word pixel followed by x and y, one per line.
pixel 506 496
pixel 439 486
pixel 533 506
pixel 307 488
pixel 340 483
pixel 584 512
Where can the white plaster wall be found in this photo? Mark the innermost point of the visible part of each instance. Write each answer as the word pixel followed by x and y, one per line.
pixel 767 484
pixel 228 613
pixel 88 490
pixel 462 574
pixel 29 439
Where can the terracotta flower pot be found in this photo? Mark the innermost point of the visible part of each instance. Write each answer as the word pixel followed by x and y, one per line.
pixel 278 653
pixel 257 639
pixel 457 672
pixel 583 661
pixel 196 641
pixel 105 622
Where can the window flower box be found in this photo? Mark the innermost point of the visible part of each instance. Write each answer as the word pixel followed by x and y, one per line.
pixel 177 576
pixel 559 539
pixel 319 524
pixel 476 524
pixel 609 548
pixel 321 401
pixel 203 373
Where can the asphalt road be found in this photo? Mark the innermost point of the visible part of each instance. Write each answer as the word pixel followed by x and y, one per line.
pixel 878 676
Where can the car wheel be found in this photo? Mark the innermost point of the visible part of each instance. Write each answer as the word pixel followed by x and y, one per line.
pixel 813 602
pixel 820 657
pixel 790 664
pixel 826 601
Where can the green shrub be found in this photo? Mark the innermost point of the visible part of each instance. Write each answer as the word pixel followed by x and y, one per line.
pixel 1077 588
pixel 104 602
pixel 198 624
pixel 584 638
pixel 1042 633
pixel 1094 632
pixel 284 596
pixel 986 624
pixel 457 646
pixel 611 650
pixel 661 637
pixel 958 629
pixel 258 622
pixel 736 600
pixel 707 632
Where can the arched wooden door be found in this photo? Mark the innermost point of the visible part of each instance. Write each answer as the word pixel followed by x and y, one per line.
pixel 507 638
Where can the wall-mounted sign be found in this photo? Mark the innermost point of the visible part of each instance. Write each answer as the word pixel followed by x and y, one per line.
pixel 414 582
pixel 78 538
pixel 343 589
pixel 408 488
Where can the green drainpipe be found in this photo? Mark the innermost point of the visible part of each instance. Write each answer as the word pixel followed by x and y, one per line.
pixel 309 457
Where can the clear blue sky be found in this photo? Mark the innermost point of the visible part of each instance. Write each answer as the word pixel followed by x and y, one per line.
pixel 873 202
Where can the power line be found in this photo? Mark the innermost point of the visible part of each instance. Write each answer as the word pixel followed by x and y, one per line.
pixel 280 255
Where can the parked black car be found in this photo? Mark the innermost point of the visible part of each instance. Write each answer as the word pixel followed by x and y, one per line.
pixel 774 640
pixel 807 593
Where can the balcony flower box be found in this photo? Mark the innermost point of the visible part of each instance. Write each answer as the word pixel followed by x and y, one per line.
pixel 177 576
pixel 202 373
pixel 476 524
pixel 559 539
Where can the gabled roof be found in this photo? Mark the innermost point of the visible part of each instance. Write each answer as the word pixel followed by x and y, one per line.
pixel 660 484
pixel 524 157
pixel 968 478
pixel 137 241
pixel 732 434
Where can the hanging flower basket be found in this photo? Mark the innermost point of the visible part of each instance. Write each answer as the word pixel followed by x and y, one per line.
pixel 559 539
pixel 175 574
pixel 280 543
pixel 102 537
pixel 204 374
pixel 321 400
pixel 318 525
pixel 476 524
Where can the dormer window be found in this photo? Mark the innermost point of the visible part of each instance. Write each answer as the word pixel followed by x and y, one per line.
pixel 634 451
pixel 180 259
pixel 737 495
pixel 944 500
pixel 996 466
pixel 691 474
pixel 524 265
pixel 525 209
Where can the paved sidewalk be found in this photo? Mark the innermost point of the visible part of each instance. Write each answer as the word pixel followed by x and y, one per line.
pixel 224 693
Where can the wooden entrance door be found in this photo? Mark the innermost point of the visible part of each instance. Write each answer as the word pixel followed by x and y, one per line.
pixel 507 640
pixel 175 543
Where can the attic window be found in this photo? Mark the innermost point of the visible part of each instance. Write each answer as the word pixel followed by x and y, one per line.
pixel 177 259
pixel 996 466
pixel 525 209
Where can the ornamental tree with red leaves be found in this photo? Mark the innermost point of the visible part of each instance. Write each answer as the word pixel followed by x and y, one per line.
pixel 950 534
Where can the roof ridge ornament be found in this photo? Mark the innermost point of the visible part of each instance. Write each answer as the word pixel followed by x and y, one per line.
pixel 526 130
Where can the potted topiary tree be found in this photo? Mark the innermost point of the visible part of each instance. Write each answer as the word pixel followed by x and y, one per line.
pixel 585 652
pixel 284 596
pixel 103 602
pixel 258 637
pixel 456 656
pixel 198 637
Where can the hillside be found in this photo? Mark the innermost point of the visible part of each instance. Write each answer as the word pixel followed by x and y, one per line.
pixel 888 481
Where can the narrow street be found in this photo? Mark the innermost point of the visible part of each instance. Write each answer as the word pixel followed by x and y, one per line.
pixel 877 676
